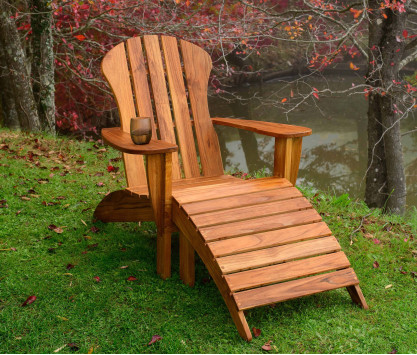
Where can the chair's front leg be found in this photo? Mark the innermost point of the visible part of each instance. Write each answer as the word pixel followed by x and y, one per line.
pixel 159 175
pixel 287 158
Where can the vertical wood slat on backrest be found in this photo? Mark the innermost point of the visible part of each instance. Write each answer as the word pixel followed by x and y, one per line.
pixel 180 107
pixel 140 80
pixel 160 96
pixel 197 66
pixel 115 69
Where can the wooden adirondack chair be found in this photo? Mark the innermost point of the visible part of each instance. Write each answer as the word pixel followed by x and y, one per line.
pixel 261 241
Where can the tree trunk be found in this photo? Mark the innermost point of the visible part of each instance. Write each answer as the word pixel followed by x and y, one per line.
pixel 8 113
pixel 17 76
pixel 385 180
pixel 43 63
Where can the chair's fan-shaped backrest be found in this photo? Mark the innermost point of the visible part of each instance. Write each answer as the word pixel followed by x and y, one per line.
pixel 163 78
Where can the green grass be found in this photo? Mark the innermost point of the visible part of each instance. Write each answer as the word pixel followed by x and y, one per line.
pixel 120 316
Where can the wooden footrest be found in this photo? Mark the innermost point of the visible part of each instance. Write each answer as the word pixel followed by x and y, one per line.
pixel 262 242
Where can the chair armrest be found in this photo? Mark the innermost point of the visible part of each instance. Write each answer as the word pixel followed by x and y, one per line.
pixel 277 130
pixel 120 140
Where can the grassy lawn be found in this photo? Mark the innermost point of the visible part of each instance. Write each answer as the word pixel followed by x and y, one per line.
pixel 48 182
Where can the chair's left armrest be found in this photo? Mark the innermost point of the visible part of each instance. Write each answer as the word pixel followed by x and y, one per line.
pixel 120 140
pixel 288 142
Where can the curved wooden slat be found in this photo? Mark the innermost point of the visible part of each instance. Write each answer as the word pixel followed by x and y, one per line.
pixel 197 66
pixel 160 96
pixel 140 80
pixel 180 107
pixel 115 69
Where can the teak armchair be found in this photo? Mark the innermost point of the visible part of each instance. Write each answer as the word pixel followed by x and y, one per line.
pixel 261 240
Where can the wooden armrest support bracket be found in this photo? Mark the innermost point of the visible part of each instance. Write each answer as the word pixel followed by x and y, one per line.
pixel 288 143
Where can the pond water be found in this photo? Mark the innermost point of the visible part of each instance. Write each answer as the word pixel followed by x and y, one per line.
pixel 334 157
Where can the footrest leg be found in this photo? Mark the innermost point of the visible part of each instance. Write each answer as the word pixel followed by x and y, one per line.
pixel 187 261
pixel 356 294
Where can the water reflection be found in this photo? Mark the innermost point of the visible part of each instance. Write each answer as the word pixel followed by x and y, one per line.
pixel 334 158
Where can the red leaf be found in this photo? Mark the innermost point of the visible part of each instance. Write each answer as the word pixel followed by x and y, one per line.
pixel 256 332
pixel 405 33
pixel 375 265
pixel 154 339
pixel 316 95
pixel 131 278
pixel 110 168
pixel 376 241
pixel 80 37
pixel 29 300
pixel 94 229
pixel 70 266
pixel 267 346
pixel 284 100
pixel 97 278
pixel 73 346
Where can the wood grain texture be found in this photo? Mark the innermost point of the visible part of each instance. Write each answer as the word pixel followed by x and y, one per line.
pixel 159 174
pixel 115 70
pixel 180 107
pixel 287 156
pixel 261 224
pixel 187 261
pixel 294 289
pixel 249 212
pixel 286 271
pixel 122 141
pixel 123 206
pixel 185 183
pixel 258 197
pixel 180 219
pixel 160 96
pixel 140 80
pixel 243 187
pixel 269 239
pixel 275 255
pixel 197 67
pixel 265 128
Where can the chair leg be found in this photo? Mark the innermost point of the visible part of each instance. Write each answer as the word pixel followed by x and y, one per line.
pixel 187 261
pixel 163 253
pixel 241 324
pixel 356 294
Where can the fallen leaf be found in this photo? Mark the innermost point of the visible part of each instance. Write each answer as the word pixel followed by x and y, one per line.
pixel 63 318
pixel 97 278
pixel 24 198
pixel 70 266
pixel 124 267
pixel 267 346
pixel 284 100
pixel 110 168
pixel 58 230
pixel 131 278
pixel 376 241
pixel 393 351
pixel 388 286
pixel 94 229
pixel 67 274
pixel 83 222
pixel 92 246
pixel 29 300
pixel 90 351
pixel 368 235
pixel 256 332
pixel 100 184
pixel 375 265
pixel 73 346
pixel 154 339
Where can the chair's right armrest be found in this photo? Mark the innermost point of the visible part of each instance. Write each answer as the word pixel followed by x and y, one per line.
pixel 120 140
